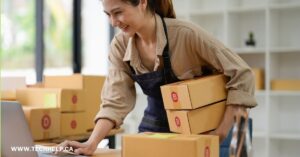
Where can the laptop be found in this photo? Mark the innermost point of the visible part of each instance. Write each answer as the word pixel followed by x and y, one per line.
pixel 16 135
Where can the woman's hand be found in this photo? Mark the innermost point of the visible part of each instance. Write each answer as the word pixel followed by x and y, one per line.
pixel 77 147
pixel 231 111
pixel 101 129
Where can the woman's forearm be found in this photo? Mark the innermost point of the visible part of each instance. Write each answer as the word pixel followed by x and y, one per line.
pixel 101 130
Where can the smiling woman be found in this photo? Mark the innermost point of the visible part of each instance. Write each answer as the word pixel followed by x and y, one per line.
pixel 154 49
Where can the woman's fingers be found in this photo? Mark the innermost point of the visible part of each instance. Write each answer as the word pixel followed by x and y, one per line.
pixel 85 151
pixel 61 146
pixel 76 144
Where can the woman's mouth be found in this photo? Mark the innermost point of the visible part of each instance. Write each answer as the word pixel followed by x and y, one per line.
pixel 124 27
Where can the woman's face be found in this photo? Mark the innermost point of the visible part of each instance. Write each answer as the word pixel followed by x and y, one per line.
pixel 125 16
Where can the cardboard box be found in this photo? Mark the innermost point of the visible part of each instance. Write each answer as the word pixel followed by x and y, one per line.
pixel 191 94
pixel 73 123
pixel 196 121
pixel 107 153
pixel 68 100
pixel 291 84
pixel 44 123
pixel 36 85
pixel 259 78
pixel 91 85
pixel 8 95
pixel 169 145
pixel 9 85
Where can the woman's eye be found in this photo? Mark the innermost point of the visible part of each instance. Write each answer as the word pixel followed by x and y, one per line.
pixel 118 12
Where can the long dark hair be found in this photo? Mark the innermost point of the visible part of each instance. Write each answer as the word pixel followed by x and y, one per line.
pixel 163 8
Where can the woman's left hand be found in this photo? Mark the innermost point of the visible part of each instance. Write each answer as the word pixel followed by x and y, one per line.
pixel 226 124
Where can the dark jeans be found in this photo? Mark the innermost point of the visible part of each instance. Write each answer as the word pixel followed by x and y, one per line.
pixel 225 145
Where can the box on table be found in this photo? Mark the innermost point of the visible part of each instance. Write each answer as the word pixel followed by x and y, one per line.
pixel 259 78
pixel 191 94
pixel 91 85
pixel 36 85
pixel 198 120
pixel 173 145
pixel 44 123
pixel 9 85
pixel 68 100
pixel 291 84
pixel 73 123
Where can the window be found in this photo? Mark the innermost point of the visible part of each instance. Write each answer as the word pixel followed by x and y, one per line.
pixel 17 38
pixel 95 38
pixel 58 36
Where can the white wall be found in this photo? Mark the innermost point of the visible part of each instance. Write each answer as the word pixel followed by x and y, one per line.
pixel 95 38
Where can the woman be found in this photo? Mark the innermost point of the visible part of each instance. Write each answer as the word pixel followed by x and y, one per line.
pixel 154 49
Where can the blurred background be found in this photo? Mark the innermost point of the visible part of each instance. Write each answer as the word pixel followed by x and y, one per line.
pixel 62 37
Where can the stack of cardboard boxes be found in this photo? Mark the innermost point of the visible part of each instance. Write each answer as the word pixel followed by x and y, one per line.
pixel 193 107
pixel 65 104
pixel 90 86
pixel 62 105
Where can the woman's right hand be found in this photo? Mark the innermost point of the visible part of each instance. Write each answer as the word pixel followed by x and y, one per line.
pixel 78 148
pixel 101 130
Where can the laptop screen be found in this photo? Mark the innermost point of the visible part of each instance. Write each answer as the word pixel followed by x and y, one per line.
pixel 16 138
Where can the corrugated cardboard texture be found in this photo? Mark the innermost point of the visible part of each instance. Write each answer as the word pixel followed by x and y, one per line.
pixel 196 121
pixel 44 123
pixel 68 100
pixel 169 145
pixel 91 85
pixel 73 123
pixel 191 94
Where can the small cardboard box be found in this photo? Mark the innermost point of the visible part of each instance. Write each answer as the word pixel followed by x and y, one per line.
pixel 169 145
pixel 285 84
pixel 68 100
pixel 73 123
pixel 44 123
pixel 191 94
pixel 91 85
pixel 198 120
pixel 9 95
pixel 9 85
pixel 259 78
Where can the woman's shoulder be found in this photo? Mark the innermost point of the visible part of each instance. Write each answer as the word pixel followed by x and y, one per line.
pixel 187 28
pixel 181 24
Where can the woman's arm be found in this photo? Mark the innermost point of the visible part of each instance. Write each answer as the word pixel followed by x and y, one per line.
pixel 102 128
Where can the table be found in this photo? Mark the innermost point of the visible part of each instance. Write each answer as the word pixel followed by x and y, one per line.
pixel 84 137
pixel 107 153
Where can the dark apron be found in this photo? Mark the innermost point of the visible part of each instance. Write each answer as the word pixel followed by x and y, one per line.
pixel 155 118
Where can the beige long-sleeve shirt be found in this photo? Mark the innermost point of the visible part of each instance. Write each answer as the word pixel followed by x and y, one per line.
pixel 191 48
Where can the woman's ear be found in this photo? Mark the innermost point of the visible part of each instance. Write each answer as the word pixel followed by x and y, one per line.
pixel 143 4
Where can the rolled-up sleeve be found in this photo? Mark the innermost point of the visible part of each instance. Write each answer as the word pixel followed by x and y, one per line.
pixel 118 94
pixel 241 85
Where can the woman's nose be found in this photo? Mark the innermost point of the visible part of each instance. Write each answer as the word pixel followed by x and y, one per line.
pixel 113 21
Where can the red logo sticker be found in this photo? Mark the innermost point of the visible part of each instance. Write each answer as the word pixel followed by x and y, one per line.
pixel 73 124
pixel 207 151
pixel 74 99
pixel 46 122
pixel 177 121
pixel 174 96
